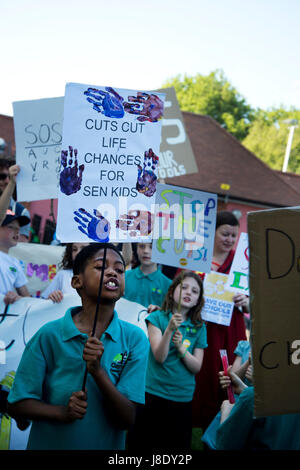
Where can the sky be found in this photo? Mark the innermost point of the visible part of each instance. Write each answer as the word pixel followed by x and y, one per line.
pixel 139 45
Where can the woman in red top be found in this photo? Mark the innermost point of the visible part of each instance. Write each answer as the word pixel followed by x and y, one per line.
pixel 208 396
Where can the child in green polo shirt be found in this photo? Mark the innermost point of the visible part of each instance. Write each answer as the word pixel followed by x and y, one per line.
pixel 177 337
pixel 146 284
pixel 48 385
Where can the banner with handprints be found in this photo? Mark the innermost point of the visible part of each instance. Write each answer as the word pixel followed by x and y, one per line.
pixel 38 136
pixel 109 163
pixel 184 228
pixel 40 264
pixel 18 324
pixel 238 277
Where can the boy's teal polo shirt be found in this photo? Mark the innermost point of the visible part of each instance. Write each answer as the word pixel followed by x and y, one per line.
pixel 172 380
pixel 52 368
pixel 146 289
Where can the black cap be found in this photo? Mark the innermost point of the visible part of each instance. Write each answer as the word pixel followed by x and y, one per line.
pixel 10 216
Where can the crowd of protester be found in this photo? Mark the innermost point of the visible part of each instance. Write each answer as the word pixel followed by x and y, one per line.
pixel 142 392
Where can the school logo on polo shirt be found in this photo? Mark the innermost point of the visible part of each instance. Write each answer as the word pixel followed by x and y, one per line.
pixel 13 269
pixel 119 361
pixel 156 290
pixel 191 331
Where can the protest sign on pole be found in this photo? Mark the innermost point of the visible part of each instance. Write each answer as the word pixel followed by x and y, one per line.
pixel 274 245
pixel 40 264
pixel 38 136
pixel 218 305
pixel 238 277
pixel 176 156
pixel 109 163
pixel 184 228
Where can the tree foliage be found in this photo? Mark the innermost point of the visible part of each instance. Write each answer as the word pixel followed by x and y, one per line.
pixel 263 132
pixel 213 95
pixel 268 137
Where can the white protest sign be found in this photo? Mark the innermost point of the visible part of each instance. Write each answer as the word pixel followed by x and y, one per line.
pixel 19 324
pixel 109 163
pixel 184 229
pixel 38 136
pixel 40 264
pixel 218 305
pixel 238 277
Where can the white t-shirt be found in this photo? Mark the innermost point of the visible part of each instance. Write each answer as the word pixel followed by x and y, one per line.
pixel 11 273
pixel 62 281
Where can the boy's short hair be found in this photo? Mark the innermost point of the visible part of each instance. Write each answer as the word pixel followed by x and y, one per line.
pixel 88 252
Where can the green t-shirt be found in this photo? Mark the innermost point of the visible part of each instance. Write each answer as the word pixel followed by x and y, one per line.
pixel 146 289
pixel 172 380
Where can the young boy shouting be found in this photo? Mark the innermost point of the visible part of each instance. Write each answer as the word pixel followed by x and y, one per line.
pixel 48 382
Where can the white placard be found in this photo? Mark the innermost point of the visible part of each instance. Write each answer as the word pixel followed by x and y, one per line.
pixel 109 163
pixel 218 305
pixel 40 263
pixel 238 278
pixel 184 230
pixel 38 136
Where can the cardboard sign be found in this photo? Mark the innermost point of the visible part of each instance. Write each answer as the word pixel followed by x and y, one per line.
pixel 38 135
pixel 40 263
pixel 176 155
pixel 19 324
pixel 274 242
pixel 184 227
pixel 109 164
pixel 238 278
pixel 218 305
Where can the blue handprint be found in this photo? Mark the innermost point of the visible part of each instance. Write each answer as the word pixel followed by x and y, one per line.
pixel 95 227
pixel 70 177
pixel 108 102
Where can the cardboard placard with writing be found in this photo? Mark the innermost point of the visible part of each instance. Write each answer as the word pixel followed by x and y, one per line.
pixel 176 155
pixel 274 243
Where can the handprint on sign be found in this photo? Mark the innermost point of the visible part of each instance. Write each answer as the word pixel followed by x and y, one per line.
pixel 71 176
pixel 95 227
pixel 107 102
pixel 146 179
pixel 148 107
pixel 137 223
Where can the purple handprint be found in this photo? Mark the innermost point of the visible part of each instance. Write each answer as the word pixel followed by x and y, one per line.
pixel 95 227
pixel 107 102
pixel 146 180
pixel 148 107
pixel 71 176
